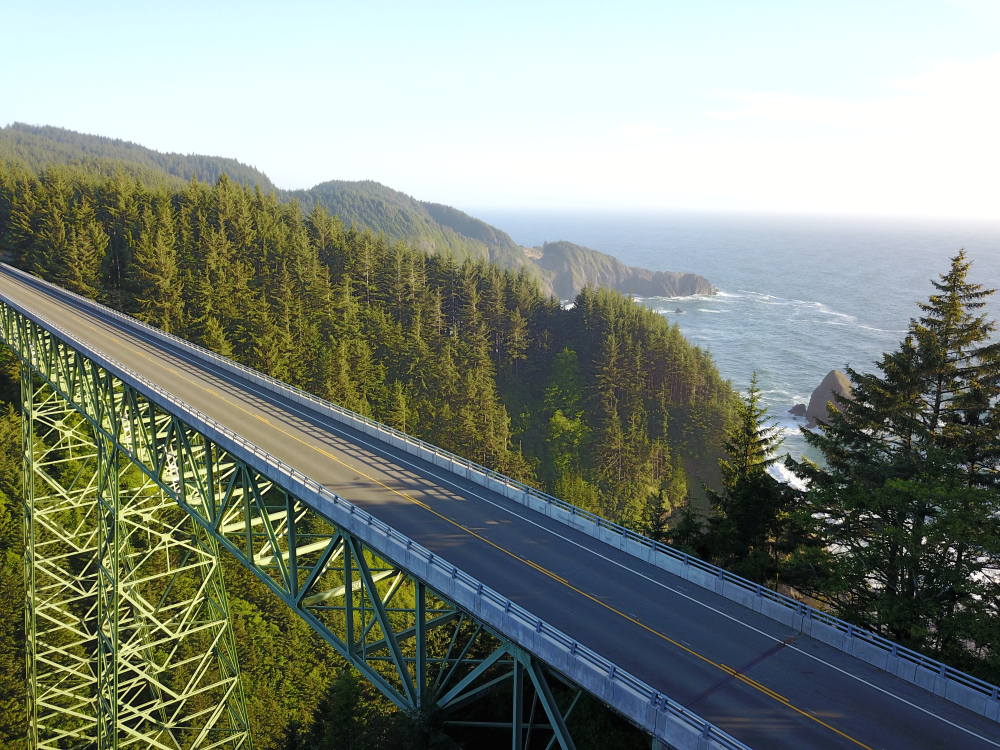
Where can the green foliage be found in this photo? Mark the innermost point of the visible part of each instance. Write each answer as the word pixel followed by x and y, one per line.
pixel 611 403
pixel 751 442
pixel 12 694
pixel 753 526
pixel 430 227
pixel 627 403
pixel 908 505
pixel 38 147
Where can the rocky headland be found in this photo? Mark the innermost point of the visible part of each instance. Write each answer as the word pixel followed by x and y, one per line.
pixel 568 268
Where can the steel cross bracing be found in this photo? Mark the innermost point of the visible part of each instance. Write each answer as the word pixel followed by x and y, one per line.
pixel 126 510
pixel 128 634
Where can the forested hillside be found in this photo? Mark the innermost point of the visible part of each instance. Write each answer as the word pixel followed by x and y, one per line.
pixel 38 146
pixel 431 227
pixel 428 226
pixel 605 404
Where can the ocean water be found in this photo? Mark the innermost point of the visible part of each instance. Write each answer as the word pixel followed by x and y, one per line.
pixel 798 296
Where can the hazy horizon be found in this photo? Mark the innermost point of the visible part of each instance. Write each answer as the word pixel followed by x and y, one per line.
pixel 859 108
pixel 481 211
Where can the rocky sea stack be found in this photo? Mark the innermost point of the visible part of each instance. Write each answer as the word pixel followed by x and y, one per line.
pixel 835 382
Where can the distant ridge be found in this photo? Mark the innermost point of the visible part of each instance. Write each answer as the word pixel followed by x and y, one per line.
pixel 430 226
pixel 37 146
pixel 561 268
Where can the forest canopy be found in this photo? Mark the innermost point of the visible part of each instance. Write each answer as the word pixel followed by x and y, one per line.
pixel 605 404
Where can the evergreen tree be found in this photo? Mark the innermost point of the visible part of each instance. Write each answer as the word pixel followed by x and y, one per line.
pixel 399 411
pixel 339 719
pixel 159 291
pixel 908 499
pixel 51 245
pixel 81 268
pixel 745 528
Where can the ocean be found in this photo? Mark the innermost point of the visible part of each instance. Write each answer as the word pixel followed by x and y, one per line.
pixel 798 296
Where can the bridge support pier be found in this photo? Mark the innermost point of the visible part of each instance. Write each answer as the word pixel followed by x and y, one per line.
pixel 129 641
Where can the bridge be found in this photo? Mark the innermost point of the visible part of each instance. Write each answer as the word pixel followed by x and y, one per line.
pixel 147 459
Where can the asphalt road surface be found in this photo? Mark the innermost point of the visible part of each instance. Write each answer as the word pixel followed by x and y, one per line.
pixel 790 691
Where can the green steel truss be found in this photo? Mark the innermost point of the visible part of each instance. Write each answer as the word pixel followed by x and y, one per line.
pixel 127 508
pixel 129 642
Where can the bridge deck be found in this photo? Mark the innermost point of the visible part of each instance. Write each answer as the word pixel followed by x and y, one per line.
pixel 682 640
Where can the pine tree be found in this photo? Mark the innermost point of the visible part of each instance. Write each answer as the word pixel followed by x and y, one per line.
pixel 908 498
pixel 399 411
pixel 81 269
pixel 517 340
pixel 159 291
pixel 751 442
pixel 19 206
pixel 49 251
pixel 339 719
pixel 214 337
pixel 745 528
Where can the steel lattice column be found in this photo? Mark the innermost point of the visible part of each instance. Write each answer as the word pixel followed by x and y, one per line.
pixel 60 524
pixel 129 635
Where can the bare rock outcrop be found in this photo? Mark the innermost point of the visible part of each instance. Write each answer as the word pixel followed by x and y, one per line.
pixel 835 382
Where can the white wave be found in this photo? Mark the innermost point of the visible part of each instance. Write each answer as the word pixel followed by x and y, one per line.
pixel 780 472
pixel 868 328
pixel 685 298
pixel 792 302
pixel 789 423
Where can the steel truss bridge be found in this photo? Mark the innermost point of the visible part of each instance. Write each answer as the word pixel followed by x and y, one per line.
pixel 451 588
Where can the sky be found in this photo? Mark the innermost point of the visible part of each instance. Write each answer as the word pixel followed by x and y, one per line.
pixel 881 108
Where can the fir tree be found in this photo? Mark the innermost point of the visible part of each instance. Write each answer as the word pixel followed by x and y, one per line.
pixel 909 497
pixel 159 291
pixel 81 269
pixel 746 525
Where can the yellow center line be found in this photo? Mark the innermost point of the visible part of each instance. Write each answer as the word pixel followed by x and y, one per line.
pixel 753 683
pixel 745 680
pixel 759 686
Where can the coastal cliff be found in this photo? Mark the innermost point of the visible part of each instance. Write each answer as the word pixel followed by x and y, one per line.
pixel 567 268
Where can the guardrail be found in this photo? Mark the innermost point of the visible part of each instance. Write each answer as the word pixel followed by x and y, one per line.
pixel 685 728
pixel 952 684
